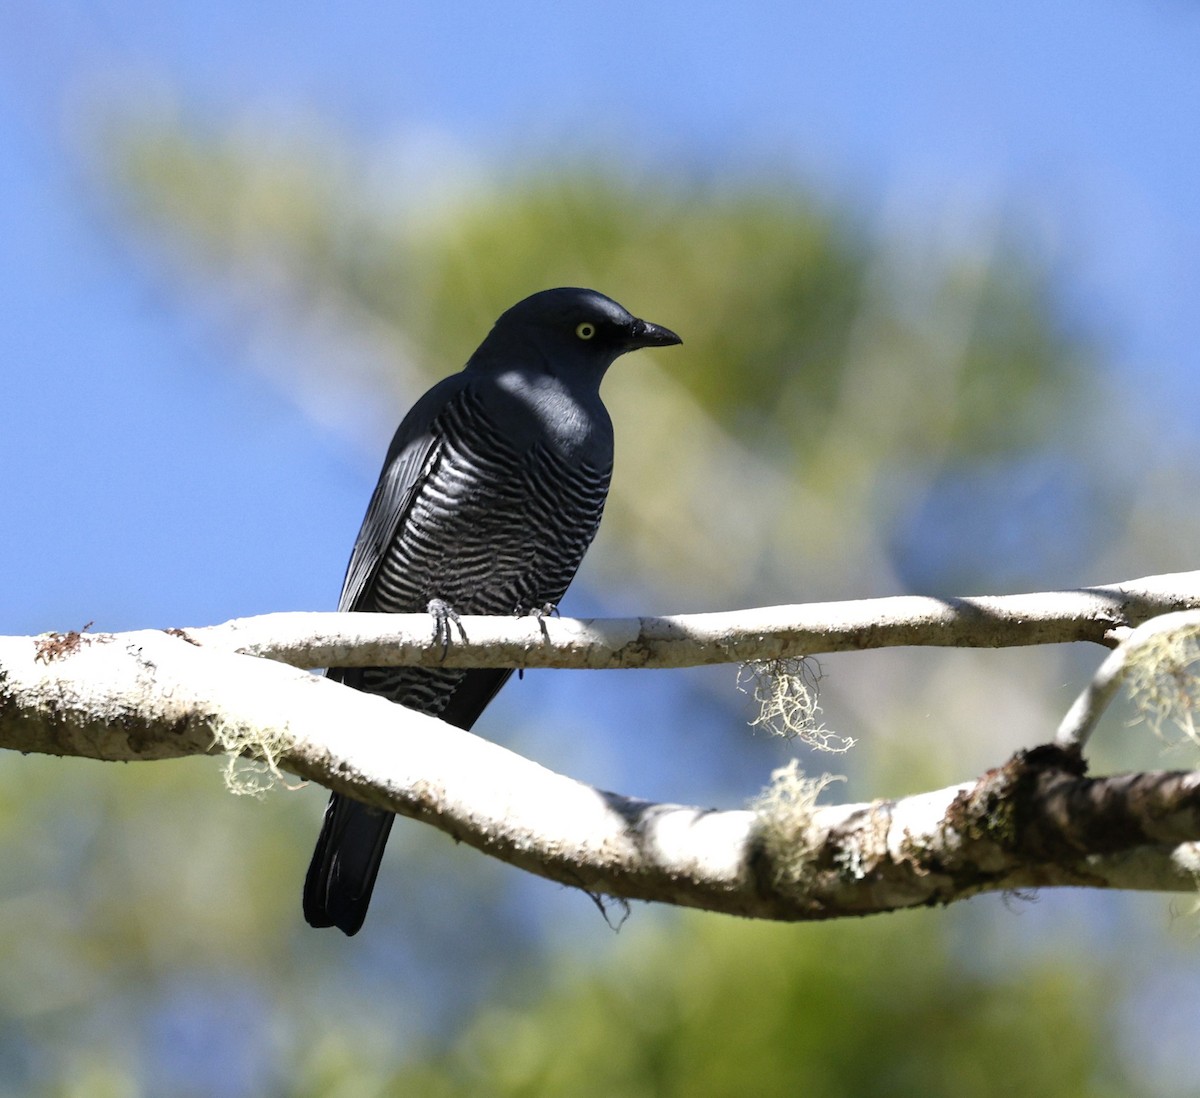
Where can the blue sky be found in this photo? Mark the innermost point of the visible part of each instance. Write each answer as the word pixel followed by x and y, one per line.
pixel 146 472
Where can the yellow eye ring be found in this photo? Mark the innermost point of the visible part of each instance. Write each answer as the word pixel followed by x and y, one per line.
pixel 585 330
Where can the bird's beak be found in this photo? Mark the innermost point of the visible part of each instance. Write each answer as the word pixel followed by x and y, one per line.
pixel 645 334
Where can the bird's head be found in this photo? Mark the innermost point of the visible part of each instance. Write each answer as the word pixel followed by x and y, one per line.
pixel 576 332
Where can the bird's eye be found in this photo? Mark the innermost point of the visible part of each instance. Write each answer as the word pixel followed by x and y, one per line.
pixel 585 330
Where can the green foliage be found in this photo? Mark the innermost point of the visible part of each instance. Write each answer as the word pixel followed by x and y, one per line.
pixel 776 291
pixel 829 370
pixel 714 1008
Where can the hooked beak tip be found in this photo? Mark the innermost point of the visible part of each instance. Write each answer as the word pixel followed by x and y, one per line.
pixel 646 334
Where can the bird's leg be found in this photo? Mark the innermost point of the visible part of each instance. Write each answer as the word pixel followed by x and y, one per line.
pixel 443 614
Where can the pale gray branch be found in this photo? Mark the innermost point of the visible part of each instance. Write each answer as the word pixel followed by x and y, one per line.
pixel 1035 821
pixel 1085 713
pixel 1099 614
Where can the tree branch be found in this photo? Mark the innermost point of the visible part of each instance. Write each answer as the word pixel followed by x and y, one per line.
pixel 1038 820
pixel 1164 646
pixel 1099 614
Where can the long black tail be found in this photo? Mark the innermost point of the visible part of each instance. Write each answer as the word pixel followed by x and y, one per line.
pixel 341 876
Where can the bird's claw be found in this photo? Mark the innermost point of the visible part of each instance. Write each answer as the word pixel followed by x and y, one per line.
pixel 443 614
pixel 539 614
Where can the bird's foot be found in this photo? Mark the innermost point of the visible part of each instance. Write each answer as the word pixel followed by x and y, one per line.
pixel 443 614
pixel 539 614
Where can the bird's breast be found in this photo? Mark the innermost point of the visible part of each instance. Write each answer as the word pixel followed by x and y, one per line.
pixel 545 413
pixel 502 518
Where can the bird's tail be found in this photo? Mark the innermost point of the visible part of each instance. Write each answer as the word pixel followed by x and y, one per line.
pixel 337 890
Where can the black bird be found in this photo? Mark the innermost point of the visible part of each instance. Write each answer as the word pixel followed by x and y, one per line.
pixel 490 494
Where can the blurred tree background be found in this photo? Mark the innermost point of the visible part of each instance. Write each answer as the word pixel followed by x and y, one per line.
pixel 859 409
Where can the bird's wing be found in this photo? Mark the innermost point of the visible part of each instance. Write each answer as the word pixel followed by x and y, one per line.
pixel 410 458
pixel 393 496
